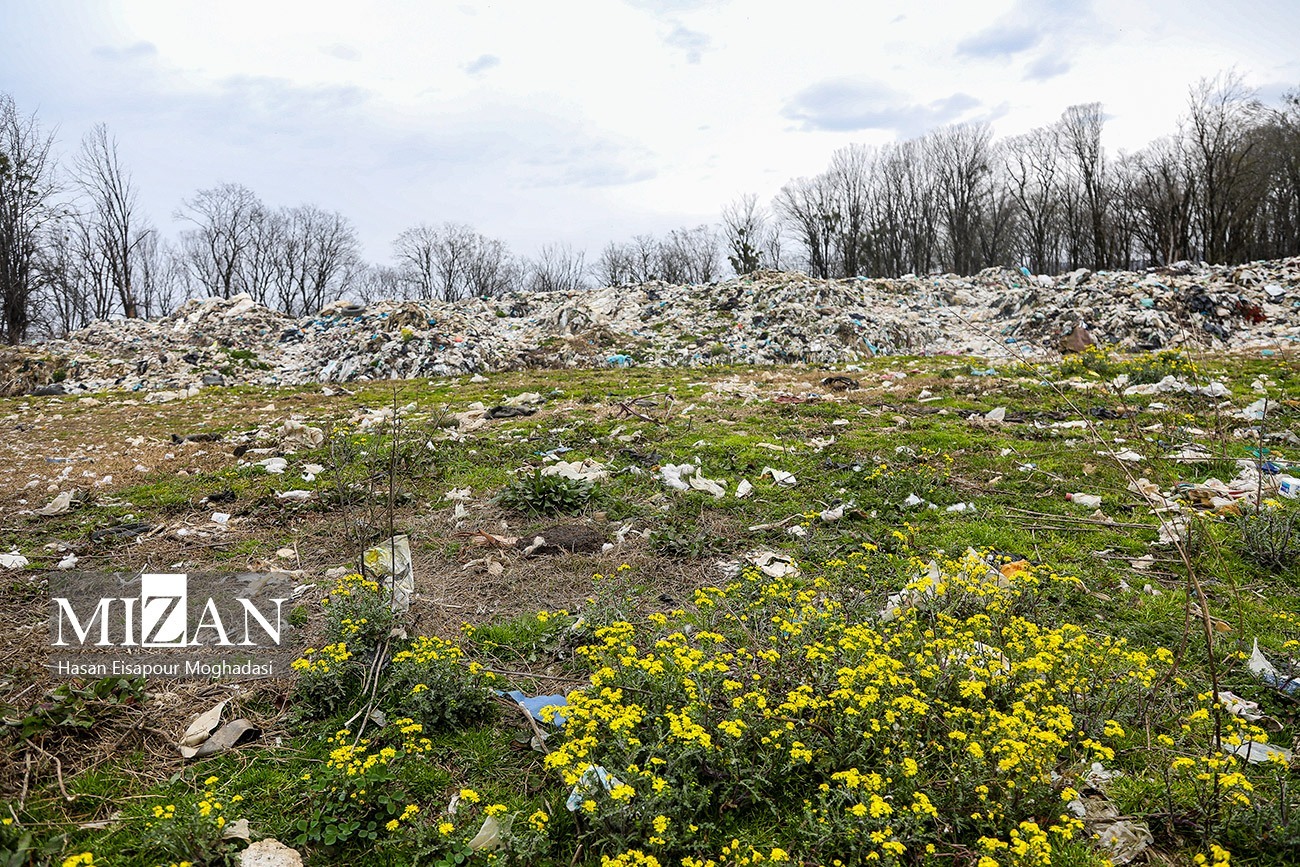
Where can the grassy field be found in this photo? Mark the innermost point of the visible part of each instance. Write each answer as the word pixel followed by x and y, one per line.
pixel 951 682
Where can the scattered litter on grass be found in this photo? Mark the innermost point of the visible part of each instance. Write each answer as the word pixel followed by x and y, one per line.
pixel 234 733
pixel 589 471
pixel 781 477
pixel 60 505
pixel 537 703
pixel 1264 670
pixel 1257 753
pixel 1087 501
pixel 688 477
pixel 389 563
pixel 274 466
pixel 593 779
pixel 200 729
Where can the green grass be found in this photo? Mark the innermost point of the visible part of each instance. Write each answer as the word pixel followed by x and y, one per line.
pixel 933 452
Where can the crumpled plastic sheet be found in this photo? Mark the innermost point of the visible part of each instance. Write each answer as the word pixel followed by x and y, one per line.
pixel 536 703
pixel 594 778
pixel 389 563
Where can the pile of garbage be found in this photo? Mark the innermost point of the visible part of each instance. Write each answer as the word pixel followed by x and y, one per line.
pixel 763 318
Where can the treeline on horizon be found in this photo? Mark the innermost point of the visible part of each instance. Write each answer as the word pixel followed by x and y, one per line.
pixel 1224 187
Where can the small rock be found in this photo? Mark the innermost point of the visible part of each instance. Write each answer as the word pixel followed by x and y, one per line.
pixel 269 853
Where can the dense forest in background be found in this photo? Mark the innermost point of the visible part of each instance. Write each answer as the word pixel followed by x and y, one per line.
pixel 1224 187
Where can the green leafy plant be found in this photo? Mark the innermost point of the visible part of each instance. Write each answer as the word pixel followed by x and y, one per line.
pixel 192 834
pixel 1270 536
pixel 430 682
pixel 775 696
pixel 356 795
pixel 537 494
pixel 686 542
pixel 358 619
pixel 73 706
pixel 20 845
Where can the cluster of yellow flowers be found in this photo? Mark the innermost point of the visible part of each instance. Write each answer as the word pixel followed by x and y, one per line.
pixel 321 661
pixel 352 583
pixel 408 814
pixel 427 648
pixel 777 692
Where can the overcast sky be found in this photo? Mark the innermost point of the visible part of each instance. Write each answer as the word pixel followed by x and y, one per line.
pixel 585 122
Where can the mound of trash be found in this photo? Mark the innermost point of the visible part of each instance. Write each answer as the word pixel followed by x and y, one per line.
pixel 763 318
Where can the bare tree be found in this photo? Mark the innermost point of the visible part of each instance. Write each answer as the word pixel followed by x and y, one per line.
pixel 491 269
pixel 999 224
pixel 415 252
pixel 313 252
pixel 27 190
pixel 371 283
pixel 806 206
pixel 218 249
pixel 745 228
pixel 614 265
pixel 113 210
pixel 557 268
pixel 1221 113
pixel 1032 169
pixel 160 275
pixel 1080 135
pixel 646 261
pixel 962 160
pixel 453 262
pixel 1158 192
pixel 849 177
pixel 690 256
pixel 1282 140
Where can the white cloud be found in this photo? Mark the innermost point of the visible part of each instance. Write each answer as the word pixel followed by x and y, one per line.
pixel 592 121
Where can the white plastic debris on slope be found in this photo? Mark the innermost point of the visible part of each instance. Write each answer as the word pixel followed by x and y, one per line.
pixel 295 434
pixel 687 477
pixel 58 506
pixel 589 470
pixel 925 587
pixel 1195 306
pixel 13 560
pixel 1257 410
pixel 770 563
pixel 1173 529
pixel 1257 753
pixel 275 466
pixel 389 563
pixel 1150 491
pixel 1264 670
pixel 835 513
pixel 526 399
pixel 1124 840
pixel 1240 707
pixel 744 489
pixel 781 477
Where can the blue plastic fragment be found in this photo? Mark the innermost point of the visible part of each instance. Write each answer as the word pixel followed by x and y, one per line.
pixel 535 704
